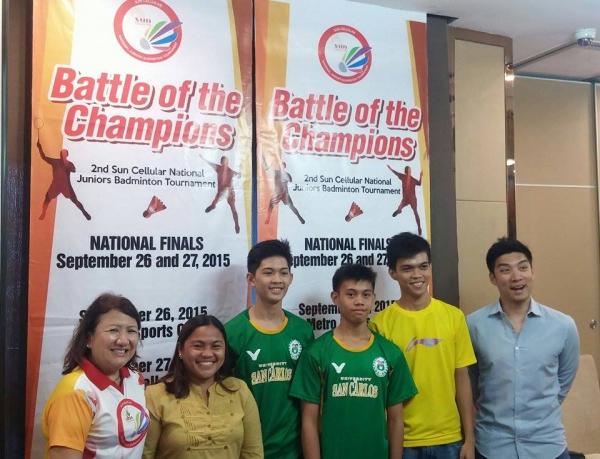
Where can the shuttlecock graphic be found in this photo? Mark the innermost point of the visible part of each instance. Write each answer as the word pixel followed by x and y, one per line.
pixel 354 211
pixel 156 205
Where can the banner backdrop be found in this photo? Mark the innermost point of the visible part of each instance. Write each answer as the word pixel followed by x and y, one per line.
pixel 341 93
pixel 140 171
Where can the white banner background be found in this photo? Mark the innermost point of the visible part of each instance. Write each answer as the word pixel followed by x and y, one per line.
pixel 326 233
pixel 213 282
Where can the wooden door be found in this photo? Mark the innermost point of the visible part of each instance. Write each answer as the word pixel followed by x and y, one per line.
pixel 557 198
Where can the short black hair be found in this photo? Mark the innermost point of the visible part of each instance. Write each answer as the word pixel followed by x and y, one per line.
pixel 353 272
pixel 503 246
pixel 267 249
pixel 406 245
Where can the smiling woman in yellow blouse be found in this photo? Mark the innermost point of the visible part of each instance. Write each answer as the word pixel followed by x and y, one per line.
pixel 198 410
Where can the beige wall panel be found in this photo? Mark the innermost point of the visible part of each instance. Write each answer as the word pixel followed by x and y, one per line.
pixel 554 138
pixel 560 225
pixel 597 143
pixel 479 225
pixel 479 122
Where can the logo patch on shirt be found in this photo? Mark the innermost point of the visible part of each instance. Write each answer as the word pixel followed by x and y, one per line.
pixel 132 423
pixel 92 400
pixel 295 349
pixel 338 368
pixel 380 366
pixel 253 355
pixel 427 342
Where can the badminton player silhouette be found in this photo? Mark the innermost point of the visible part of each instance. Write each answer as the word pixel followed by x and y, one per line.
pixel 409 196
pixel 224 185
pixel 61 181
pixel 281 177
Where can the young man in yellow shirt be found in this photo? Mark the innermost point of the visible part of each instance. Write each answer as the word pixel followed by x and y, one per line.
pixel 435 340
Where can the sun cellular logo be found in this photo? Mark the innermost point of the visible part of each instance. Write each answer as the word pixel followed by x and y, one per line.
pixel 345 54
pixel 148 30
pixel 143 21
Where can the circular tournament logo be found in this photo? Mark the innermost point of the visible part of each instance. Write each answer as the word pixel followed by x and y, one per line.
pixel 295 349
pixel 345 54
pixel 132 422
pixel 380 367
pixel 148 30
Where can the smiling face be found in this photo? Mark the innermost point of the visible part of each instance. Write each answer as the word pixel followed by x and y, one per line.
pixel 203 354
pixel 413 276
pixel 114 342
pixel 271 280
pixel 513 277
pixel 355 299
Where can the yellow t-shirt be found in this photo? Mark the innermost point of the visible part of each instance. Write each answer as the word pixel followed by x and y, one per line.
pixel 435 341
pixel 228 427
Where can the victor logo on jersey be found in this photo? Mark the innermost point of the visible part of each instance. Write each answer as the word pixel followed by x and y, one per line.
pixel 380 367
pixel 338 368
pixel 253 355
pixel 295 349
pixel 132 423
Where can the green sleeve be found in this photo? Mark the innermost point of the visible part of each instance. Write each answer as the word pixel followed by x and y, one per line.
pixel 233 341
pixel 310 335
pixel 306 384
pixel 401 385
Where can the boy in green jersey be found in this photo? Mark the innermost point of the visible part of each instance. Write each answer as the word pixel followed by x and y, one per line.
pixel 266 342
pixel 351 381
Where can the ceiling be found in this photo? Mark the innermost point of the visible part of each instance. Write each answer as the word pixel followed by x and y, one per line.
pixel 534 25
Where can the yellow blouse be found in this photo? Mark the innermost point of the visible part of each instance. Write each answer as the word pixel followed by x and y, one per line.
pixel 228 427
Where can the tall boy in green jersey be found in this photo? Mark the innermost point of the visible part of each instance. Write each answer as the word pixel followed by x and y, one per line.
pixel 266 342
pixel 352 380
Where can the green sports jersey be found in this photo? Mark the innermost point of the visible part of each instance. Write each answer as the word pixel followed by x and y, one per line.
pixel 354 388
pixel 267 360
